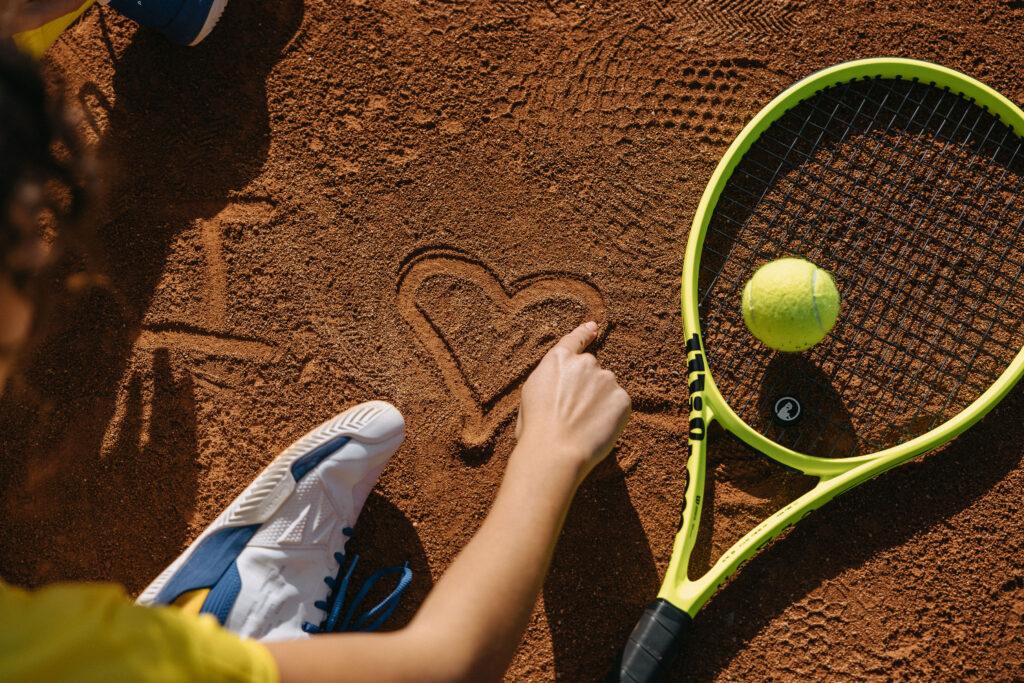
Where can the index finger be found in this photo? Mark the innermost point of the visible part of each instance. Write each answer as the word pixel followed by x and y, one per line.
pixel 579 339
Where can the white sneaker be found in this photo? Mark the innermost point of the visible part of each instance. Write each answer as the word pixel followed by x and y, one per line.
pixel 272 565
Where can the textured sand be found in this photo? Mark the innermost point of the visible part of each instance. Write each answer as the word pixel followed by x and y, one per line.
pixel 328 203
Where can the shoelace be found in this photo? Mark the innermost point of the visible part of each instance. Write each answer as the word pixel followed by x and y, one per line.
pixel 371 619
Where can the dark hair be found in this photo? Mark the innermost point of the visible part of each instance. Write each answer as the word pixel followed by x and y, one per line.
pixel 40 165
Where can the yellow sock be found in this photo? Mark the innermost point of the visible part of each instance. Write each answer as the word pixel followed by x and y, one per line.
pixel 192 601
pixel 38 40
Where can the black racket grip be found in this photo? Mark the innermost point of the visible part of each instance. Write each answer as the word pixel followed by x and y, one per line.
pixel 652 645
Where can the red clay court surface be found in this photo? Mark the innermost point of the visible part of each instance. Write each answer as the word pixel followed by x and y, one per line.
pixel 329 203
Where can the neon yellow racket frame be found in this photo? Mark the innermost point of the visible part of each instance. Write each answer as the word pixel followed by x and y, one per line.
pixel 707 404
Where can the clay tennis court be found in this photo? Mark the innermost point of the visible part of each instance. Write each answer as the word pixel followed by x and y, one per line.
pixel 330 202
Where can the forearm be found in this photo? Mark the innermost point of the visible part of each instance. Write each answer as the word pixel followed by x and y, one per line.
pixel 487 595
pixel 570 414
pixel 471 623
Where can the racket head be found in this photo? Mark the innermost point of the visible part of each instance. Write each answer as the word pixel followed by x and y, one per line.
pixel 664 624
pixel 708 403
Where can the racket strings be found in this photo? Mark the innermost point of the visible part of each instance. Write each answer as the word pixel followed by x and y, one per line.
pixel 929 267
pixel 931 204
pixel 931 200
pixel 760 197
pixel 931 273
pixel 908 331
pixel 908 194
pixel 774 175
pixel 872 277
pixel 883 213
pixel 859 151
pixel 915 381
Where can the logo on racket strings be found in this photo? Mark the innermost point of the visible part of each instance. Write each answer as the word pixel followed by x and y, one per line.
pixel 695 373
pixel 786 410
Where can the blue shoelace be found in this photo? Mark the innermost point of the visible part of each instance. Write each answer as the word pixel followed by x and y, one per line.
pixel 371 619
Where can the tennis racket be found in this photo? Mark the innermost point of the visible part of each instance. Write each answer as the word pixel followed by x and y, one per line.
pixel 903 179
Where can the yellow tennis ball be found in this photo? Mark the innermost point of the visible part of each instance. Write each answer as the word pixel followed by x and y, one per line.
pixel 790 304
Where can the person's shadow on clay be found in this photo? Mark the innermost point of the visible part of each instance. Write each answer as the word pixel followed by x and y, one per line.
pixel 602 575
pixel 76 516
pixel 185 129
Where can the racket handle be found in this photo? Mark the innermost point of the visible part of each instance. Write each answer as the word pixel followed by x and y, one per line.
pixel 653 644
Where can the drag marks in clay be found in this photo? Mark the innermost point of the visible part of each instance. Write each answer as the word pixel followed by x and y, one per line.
pixel 210 352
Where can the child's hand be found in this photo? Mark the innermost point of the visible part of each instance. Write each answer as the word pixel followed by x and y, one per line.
pixel 571 410
pixel 473 619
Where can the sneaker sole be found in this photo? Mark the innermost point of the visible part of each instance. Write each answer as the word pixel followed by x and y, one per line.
pixel 373 422
pixel 216 10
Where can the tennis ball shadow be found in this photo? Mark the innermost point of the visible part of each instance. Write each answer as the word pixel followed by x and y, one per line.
pixel 800 408
pixel 602 575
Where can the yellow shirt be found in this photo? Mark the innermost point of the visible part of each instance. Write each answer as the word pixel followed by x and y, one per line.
pixel 92 632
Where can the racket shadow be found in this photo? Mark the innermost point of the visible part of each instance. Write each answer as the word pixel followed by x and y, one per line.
pixel 602 574
pixel 741 474
pixel 851 530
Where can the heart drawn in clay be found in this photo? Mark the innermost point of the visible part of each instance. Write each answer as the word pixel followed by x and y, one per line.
pixel 486 336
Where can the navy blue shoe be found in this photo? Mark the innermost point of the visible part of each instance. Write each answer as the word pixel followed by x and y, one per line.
pixel 185 22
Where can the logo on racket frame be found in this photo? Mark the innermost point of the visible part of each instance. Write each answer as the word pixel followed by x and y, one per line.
pixel 695 372
pixel 786 410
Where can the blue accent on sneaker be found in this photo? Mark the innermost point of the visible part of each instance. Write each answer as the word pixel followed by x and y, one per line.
pixel 208 563
pixel 182 21
pixel 309 461
pixel 151 13
pixel 373 618
pixel 223 595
